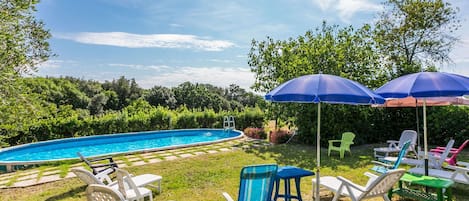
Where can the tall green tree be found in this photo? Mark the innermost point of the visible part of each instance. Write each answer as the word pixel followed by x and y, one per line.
pixel 413 34
pixel 23 45
pixel 23 42
pixel 327 49
pixel 346 52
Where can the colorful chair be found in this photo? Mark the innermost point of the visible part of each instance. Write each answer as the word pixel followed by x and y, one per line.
pixel 256 183
pixel 345 142
pixel 383 166
pixel 454 152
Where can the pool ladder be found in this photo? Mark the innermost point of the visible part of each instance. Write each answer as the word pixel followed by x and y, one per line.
pixel 229 122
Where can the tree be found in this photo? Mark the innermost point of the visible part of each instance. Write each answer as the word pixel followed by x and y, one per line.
pixel 345 52
pixel 411 34
pixel 163 96
pixel 23 42
pixel 327 49
pixel 96 105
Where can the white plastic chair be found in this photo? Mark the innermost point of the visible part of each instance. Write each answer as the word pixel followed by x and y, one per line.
pixel 377 186
pixel 103 179
pixel 395 146
pixel 435 162
pixel 128 188
pixel 97 192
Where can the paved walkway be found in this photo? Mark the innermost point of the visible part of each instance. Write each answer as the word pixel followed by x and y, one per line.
pixel 43 174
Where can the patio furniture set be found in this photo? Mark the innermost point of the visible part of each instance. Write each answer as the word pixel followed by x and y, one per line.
pixel 126 187
pixel 262 182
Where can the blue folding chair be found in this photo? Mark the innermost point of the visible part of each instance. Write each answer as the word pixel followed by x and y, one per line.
pixel 383 166
pixel 256 183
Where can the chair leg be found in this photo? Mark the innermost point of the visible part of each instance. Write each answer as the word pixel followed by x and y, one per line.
pixel 385 198
pixel 342 152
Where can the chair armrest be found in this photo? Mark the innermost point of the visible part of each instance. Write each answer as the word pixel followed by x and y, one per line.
pixel 371 175
pixel 372 178
pixel 104 176
pixel 458 168
pixel 437 150
pixel 334 141
pixel 463 164
pixel 382 164
pixel 351 184
pixel 103 165
pixel 101 159
pixel 227 196
pixel 443 148
pixel 393 143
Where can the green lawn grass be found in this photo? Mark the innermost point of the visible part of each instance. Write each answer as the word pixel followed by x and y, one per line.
pixel 205 177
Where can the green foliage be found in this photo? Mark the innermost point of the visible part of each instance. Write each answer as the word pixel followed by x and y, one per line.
pixel 138 116
pixel 23 45
pixel 161 96
pixel 412 34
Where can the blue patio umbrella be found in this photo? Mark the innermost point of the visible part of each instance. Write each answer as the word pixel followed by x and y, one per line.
pixel 423 86
pixel 323 88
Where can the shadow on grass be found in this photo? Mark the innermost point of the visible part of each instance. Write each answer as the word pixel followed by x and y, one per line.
pixel 67 194
pixel 304 156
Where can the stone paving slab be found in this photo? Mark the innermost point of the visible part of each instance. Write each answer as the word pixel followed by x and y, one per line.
pixel 30 177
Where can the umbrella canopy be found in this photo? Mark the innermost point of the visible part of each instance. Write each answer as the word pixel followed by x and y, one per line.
pixel 323 88
pixel 418 102
pixel 423 86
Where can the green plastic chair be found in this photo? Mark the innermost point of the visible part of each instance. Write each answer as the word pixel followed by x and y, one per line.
pixel 345 142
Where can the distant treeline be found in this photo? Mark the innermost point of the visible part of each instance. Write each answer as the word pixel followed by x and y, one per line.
pixel 115 95
pixel 71 107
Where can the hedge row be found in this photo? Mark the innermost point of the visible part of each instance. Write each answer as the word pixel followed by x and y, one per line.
pixel 151 118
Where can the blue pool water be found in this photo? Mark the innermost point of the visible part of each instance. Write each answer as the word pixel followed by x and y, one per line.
pixel 111 144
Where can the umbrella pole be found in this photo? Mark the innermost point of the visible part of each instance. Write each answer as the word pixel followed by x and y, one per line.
pixel 425 135
pixel 419 144
pixel 318 151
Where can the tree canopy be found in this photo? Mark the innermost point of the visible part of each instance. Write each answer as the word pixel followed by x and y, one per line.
pixel 412 35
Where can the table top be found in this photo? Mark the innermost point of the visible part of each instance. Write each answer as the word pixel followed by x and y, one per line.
pixel 287 172
pixel 427 181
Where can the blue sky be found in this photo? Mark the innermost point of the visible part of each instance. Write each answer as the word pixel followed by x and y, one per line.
pixel 167 42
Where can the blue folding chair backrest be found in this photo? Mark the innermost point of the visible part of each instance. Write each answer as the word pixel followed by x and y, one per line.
pixel 400 156
pixel 257 182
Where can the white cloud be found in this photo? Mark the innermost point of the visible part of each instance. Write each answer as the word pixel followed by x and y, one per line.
pixel 141 67
pixel 218 76
pixel 324 4
pixel 347 8
pixel 129 40
pixel 221 60
pixel 52 64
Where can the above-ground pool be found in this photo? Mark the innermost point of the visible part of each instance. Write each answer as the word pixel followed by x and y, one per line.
pixel 100 145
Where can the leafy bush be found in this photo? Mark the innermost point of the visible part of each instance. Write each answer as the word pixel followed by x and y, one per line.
pixel 256 133
pixel 279 136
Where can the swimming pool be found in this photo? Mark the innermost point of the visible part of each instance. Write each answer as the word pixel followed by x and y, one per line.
pixel 112 144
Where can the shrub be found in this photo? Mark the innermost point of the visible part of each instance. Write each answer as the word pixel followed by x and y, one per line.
pixel 279 136
pixel 256 133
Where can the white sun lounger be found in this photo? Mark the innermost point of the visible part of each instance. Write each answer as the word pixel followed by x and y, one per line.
pixel 377 186
pixel 435 162
pixel 459 175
